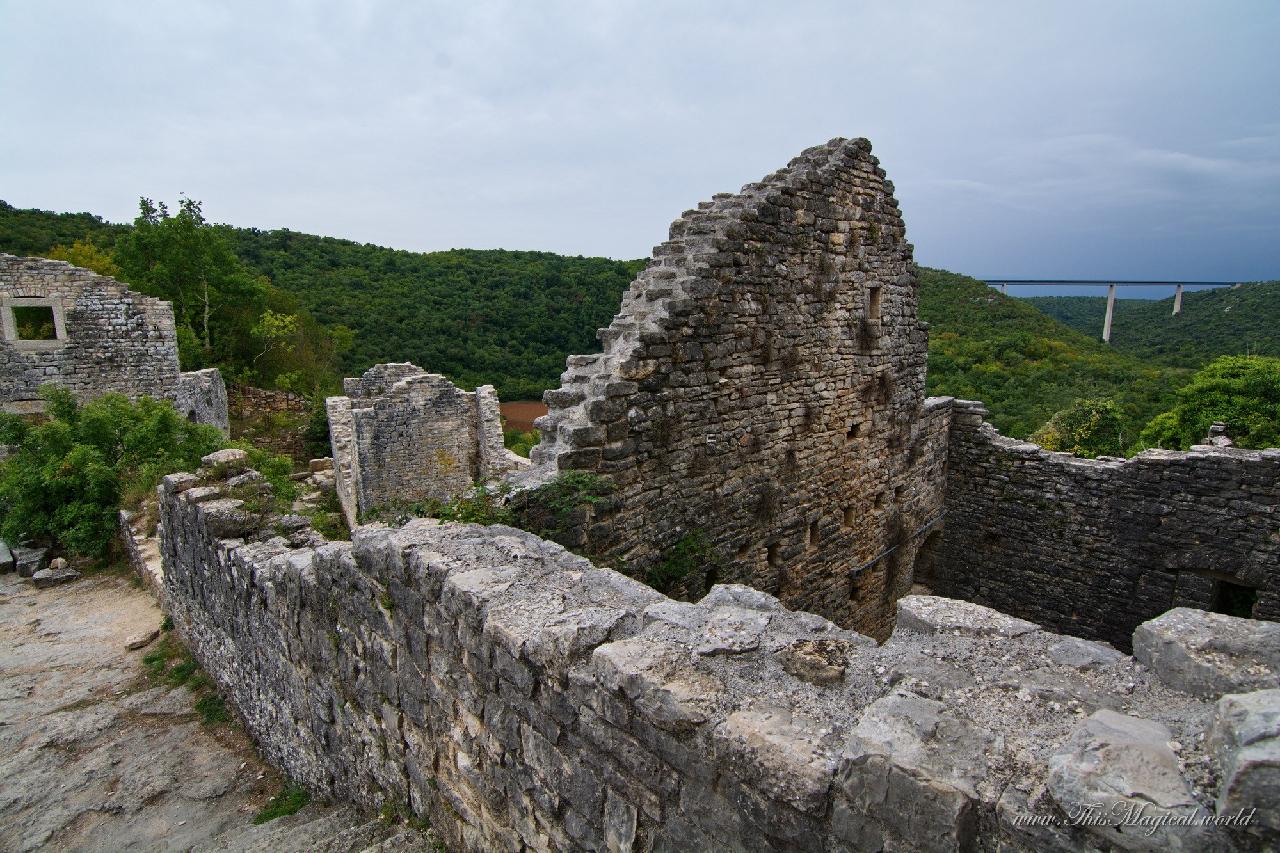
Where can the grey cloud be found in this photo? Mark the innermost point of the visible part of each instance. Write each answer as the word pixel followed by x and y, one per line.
pixel 1016 133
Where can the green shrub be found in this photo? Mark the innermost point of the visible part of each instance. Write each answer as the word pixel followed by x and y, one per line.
pixel 1085 428
pixel 479 505
pixel 1241 391
pixel 291 799
pixel 519 442
pixel 692 563
pixel 549 509
pixel 71 474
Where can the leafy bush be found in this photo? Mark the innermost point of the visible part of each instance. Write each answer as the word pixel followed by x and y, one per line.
pixel 480 505
pixel 1241 391
pixel 692 563
pixel 519 442
pixel 73 473
pixel 550 508
pixel 1085 428
pixel 291 799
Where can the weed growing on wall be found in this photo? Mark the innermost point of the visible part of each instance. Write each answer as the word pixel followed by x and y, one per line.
pixel 691 565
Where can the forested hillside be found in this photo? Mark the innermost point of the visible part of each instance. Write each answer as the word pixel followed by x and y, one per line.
pixel 1241 320
pixel 1024 364
pixel 501 317
pixel 507 318
pixel 510 318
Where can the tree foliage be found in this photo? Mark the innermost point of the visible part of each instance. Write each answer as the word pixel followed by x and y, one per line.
pixel 72 473
pixel 1085 428
pixel 1026 366
pixel 83 253
pixel 1242 320
pixel 1241 391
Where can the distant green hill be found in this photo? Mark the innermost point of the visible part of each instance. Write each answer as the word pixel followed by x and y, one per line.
pixel 1026 365
pixel 510 318
pixel 491 316
pixel 1242 320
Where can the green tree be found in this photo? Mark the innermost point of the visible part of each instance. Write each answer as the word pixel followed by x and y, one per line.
pixel 1085 428
pixel 84 254
pixel 1241 391
pixel 185 260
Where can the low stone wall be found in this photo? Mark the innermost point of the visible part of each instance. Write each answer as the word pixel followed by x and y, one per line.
pixel 248 402
pixel 1095 547
pixel 522 698
pixel 143 553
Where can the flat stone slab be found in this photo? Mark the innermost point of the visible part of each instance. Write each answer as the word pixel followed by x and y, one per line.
pixel 141 639
pixel 46 578
pixel 7 563
pixel 931 614
pixel 1210 654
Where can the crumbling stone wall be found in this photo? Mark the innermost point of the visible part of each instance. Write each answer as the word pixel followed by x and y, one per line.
pixel 524 699
pixel 402 434
pixel 1095 547
pixel 107 338
pixel 762 386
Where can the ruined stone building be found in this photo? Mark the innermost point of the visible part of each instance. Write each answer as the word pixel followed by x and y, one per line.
pixel 89 333
pixel 762 390
pixel 402 435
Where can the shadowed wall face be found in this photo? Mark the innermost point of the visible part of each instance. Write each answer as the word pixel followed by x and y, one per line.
pixel 761 392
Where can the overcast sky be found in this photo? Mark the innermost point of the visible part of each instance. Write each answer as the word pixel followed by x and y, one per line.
pixel 1026 139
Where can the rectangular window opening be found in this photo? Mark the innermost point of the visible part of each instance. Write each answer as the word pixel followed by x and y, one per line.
pixel 34 322
pixel 873 304
pixel 1234 599
pixel 773 555
pixel 814 533
pixel 848 516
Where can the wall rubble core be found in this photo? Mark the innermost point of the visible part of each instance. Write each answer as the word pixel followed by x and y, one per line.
pixel 401 435
pixel 104 338
pixel 525 699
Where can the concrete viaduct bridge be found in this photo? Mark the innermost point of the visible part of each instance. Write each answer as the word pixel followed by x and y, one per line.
pixel 1111 285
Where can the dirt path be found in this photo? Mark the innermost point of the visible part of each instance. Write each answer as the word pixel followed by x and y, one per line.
pixel 95 757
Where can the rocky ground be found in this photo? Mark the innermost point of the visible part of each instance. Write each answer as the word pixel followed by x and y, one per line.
pixel 95 756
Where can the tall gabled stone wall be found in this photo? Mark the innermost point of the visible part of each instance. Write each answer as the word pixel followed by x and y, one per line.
pixel 107 338
pixel 762 386
pixel 523 699
pixel 1093 547
pixel 402 435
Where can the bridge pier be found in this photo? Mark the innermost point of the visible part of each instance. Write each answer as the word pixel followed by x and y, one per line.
pixel 1177 300
pixel 1111 307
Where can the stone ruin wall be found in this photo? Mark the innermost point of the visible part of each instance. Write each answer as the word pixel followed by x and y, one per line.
pixel 401 435
pixel 524 699
pixel 1095 547
pixel 763 385
pixel 110 339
